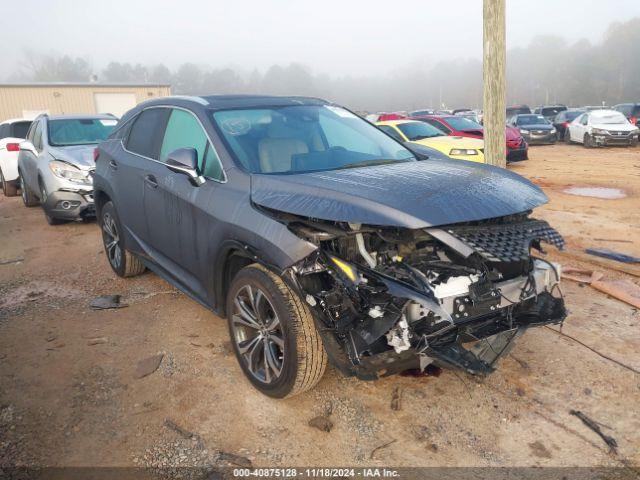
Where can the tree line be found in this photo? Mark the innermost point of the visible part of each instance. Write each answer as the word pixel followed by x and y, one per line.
pixel 548 70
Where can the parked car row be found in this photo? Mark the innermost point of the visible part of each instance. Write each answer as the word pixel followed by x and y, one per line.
pixel 320 237
pixel 591 126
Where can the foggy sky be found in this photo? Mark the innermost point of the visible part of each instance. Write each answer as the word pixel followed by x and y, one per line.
pixel 338 37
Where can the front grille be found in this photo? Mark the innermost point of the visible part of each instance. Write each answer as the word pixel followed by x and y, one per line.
pixel 508 242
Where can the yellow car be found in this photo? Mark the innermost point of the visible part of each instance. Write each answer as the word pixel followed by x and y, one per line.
pixel 459 148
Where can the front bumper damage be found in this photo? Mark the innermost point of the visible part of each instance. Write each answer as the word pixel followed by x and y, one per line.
pixel 387 300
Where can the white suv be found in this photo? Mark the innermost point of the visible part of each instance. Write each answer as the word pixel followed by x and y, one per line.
pixel 12 132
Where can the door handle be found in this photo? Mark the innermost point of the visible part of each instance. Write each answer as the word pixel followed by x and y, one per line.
pixel 151 181
pixel 113 164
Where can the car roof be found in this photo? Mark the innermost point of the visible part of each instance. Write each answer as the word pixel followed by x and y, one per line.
pixel 219 102
pixel 604 113
pixel 76 116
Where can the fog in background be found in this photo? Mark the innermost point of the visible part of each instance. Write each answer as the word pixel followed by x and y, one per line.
pixel 368 55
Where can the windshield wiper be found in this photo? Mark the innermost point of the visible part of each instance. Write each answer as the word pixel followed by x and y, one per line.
pixel 371 163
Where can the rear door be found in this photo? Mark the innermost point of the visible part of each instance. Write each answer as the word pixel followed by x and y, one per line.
pixel 579 127
pixel 177 213
pixel 130 168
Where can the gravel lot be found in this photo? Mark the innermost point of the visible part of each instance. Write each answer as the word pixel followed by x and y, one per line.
pixel 70 396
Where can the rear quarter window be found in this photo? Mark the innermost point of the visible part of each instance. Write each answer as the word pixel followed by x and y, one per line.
pixel 19 129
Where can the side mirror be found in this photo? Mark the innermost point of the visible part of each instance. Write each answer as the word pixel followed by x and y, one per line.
pixel 27 146
pixel 185 161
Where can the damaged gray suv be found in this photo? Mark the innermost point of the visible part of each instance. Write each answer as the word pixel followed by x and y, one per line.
pixel 321 239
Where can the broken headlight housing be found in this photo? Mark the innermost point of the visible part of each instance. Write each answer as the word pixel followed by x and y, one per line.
pixel 69 172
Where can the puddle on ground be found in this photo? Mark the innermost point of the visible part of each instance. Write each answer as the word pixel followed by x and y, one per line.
pixel 596 192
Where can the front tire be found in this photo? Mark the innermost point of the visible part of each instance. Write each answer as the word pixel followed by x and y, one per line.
pixel 51 220
pixel 28 197
pixel 587 141
pixel 273 334
pixel 122 261
pixel 9 189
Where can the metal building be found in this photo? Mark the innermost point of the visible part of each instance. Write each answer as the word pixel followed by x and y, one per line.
pixel 30 99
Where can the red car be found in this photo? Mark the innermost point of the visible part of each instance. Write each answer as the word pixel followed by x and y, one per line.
pixel 460 126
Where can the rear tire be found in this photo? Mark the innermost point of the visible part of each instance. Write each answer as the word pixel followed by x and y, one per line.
pixel 8 188
pixel 567 137
pixel 283 353
pixel 122 261
pixel 28 197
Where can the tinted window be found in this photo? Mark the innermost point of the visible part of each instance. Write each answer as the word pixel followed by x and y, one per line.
pixel 79 131
pixel 146 132
pixel 184 131
pixel 4 131
pixel 392 132
pixel 19 129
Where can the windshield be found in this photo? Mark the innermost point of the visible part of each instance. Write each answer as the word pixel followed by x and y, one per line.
pixel 305 138
pixel 419 130
pixel 610 119
pixel 79 131
pixel 463 123
pixel 531 120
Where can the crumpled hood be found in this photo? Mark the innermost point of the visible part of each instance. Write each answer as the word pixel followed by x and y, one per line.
pixel 615 127
pixel 79 155
pixel 409 194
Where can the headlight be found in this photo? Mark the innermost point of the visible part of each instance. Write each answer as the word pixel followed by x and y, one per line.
pixel 553 130
pixel 463 151
pixel 524 130
pixel 69 172
pixel 599 131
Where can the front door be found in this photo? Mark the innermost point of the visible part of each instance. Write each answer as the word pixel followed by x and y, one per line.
pixel 175 209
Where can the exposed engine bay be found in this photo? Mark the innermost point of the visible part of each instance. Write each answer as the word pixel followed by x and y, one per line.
pixel 389 299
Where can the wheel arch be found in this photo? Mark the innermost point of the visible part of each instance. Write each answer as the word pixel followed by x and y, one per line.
pixel 100 198
pixel 233 257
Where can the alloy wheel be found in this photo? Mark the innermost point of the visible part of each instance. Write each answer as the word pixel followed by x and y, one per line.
pixel 111 239
pixel 258 334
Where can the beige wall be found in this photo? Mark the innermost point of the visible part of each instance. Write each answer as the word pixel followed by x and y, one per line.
pixel 63 99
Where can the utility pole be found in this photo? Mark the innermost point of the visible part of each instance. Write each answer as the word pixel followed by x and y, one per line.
pixel 494 80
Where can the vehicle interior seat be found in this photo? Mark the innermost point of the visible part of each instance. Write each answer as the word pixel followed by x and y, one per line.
pixel 278 148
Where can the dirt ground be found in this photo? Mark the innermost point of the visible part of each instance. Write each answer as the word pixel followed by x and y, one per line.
pixel 69 395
